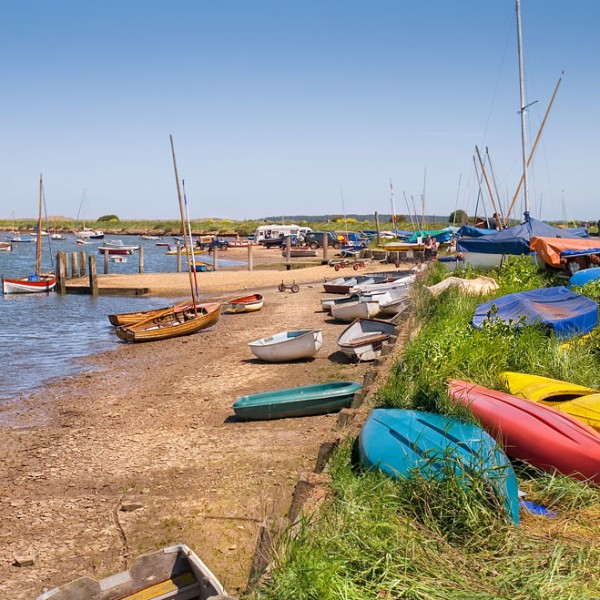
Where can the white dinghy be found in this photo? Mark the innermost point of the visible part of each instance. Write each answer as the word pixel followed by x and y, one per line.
pixel 288 345
pixel 363 339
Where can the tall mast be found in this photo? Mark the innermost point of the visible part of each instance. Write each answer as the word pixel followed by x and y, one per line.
pixel 188 250
pixel 38 253
pixel 394 226
pixel 523 107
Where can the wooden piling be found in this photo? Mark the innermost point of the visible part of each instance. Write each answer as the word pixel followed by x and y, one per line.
pixel 93 275
pixel 250 263
pixel 141 253
pixel 74 265
pixel 325 247
pixel 178 258
pixel 82 263
pixel 106 257
pixel 215 258
pixel 61 273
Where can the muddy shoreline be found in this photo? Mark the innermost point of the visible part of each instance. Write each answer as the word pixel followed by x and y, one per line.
pixel 143 451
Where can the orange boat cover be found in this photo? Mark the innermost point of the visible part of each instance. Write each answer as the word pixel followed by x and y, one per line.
pixel 549 248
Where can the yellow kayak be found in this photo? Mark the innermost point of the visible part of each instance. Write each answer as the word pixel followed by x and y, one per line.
pixel 579 401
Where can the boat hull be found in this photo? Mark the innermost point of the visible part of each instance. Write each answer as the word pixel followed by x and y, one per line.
pixel 364 339
pixel 579 401
pixel 26 285
pixel 171 325
pixel 288 345
pixel 546 438
pixel 244 304
pixel 403 442
pixel 350 311
pixel 175 572
pixel 296 402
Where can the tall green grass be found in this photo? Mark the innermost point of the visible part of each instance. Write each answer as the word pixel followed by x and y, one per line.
pixel 437 539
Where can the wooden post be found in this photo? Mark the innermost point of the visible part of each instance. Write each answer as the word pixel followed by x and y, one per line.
pixel 141 251
pixel 106 257
pixel 377 228
pixel 93 275
pixel 74 265
pixel 288 250
pixel 82 264
pixel 215 258
pixel 178 257
pixel 325 247
pixel 250 264
pixel 61 284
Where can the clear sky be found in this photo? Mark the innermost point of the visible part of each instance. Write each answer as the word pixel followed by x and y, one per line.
pixel 286 107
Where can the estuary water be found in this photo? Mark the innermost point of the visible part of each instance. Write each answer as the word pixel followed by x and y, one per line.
pixel 43 335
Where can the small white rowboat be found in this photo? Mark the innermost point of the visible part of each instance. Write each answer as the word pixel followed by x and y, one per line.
pixel 288 345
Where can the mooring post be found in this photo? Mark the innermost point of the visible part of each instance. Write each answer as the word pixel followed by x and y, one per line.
pixel 325 247
pixel 82 264
pixel 250 264
pixel 106 262
pixel 74 265
pixel 141 252
pixel 93 275
pixel 178 258
pixel 215 258
pixel 61 273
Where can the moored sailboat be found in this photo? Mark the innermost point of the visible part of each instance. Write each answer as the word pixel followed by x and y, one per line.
pixel 38 282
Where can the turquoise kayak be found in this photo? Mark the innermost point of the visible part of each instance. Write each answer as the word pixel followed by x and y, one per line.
pixel 296 402
pixel 401 442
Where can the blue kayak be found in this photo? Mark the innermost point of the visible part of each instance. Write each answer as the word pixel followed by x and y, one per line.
pixel 584 276
pixel 558 309
pixel 401 442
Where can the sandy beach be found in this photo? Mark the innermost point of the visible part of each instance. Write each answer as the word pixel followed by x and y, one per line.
pixel 143 451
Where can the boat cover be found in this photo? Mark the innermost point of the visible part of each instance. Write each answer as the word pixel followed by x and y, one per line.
pixel 441 235
pixel 565 313
pixel 479 285
pixel 474 232
pixel 551 249
pixel 514 240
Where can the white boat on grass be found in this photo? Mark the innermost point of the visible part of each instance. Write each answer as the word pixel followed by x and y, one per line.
pixel 364 339
pixel 395 301
pixel 288 345
pixel 358 309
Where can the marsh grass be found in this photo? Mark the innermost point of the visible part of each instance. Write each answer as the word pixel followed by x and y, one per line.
pixel 439 538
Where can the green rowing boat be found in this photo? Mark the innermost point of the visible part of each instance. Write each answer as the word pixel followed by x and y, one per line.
pixel 296 402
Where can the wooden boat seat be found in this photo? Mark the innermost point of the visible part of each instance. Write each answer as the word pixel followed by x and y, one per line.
pixel 368 338
pixel 182 587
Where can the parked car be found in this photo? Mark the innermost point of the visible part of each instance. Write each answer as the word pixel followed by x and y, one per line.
pixel 314 239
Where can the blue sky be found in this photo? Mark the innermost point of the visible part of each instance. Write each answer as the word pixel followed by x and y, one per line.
pixel 283 107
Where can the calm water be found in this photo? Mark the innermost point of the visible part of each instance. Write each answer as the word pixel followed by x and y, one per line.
pixel 43 335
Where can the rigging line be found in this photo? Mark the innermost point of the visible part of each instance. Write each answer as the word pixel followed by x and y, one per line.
pixel 456 203
pixel 494 95
pixel 193 256
pixel 47 226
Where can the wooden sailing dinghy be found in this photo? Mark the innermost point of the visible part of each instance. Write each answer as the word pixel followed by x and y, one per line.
pixel 171 324
pixel 129 318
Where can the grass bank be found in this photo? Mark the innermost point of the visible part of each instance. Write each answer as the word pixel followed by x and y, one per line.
pixel 375 538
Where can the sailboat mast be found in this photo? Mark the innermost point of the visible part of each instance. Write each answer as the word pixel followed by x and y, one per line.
pixel 38 252
pixel 183 227
pixel 394 224
pixel 523 107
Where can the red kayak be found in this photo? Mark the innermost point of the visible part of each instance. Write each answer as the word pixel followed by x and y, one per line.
pixel 542 436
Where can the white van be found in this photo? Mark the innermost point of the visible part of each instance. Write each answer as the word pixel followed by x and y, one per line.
pixel 269 232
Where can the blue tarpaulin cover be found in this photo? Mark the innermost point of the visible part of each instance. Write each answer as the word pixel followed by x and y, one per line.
pixel 514 240
pixel 566 313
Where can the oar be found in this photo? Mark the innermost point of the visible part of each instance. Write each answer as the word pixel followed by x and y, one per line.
pixel 157 316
